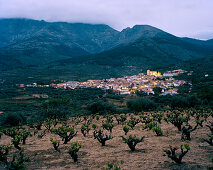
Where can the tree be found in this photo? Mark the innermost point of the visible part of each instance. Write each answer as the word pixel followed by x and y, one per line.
pixel 14 119
pixel 141 93
pixel 183 89
pixel 101 107
pixel 56 109
pixel 141 104
pixel 157 90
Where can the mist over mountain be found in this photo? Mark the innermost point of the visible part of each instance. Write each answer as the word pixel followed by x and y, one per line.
pixel 26 42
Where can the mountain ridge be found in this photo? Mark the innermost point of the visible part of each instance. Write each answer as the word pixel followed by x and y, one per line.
pixel 33 42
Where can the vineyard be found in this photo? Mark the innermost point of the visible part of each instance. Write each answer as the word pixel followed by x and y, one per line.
pixel 177 139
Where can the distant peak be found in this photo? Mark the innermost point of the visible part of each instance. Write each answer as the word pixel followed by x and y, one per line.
pixel 145 27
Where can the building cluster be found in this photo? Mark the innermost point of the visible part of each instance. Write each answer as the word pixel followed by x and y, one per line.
pixel 173 73
pixel 132 84
pixel 128 84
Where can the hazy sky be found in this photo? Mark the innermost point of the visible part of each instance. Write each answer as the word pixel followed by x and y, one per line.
pixel 193 18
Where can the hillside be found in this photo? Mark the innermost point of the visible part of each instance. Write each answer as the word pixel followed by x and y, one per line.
pixel 27 42
pixel 91 38
pixel 75 51
pixel 158 50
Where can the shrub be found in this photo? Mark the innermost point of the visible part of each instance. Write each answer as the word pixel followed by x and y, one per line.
pixel 171 153
pixel 35 132
pixel 132 141
pixel 126 129
pixel 186 131
pixel 179 102
pixel 133 122
pixel 118 119
pixel 209 140
pixel 109 118
pixel 4 150
pixel 101 137
pixel 141 104
pixel 150 125
pixel 48 124
pixel 21 132
pixel 42 134
pixel 177 119
pixel 14 119
pixel 56 109
pixel 78 120
pixel 85 129
pixel 157 117
pixel 16 142
pixel 24 134
pixel 200 122
pixel 55 144
pixel 101 108
pixel 18 161
pixel 158 130
pixel 146 119
pixel 87 119
pixel 38 125
pixel 210 136
pixel 1 133
pixel 111 167
pixel 210 127
pixel 157 90
pixel 66 133
pixel 97 117
pixel 73 150
pixel 123 118
pixel 94 126
pixel 12 132
pixel 108 126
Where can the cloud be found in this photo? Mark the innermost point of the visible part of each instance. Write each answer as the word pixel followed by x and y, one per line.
pixel 179 17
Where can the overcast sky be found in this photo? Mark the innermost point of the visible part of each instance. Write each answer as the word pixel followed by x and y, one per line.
pixel 192 18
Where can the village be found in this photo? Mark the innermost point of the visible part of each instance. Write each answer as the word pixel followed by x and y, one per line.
pixel 128 84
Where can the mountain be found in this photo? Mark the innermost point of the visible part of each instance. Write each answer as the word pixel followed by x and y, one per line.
pixel 40 50
pixel 152 47
pixel 91 38
pixel 210 42
pixel 26 43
